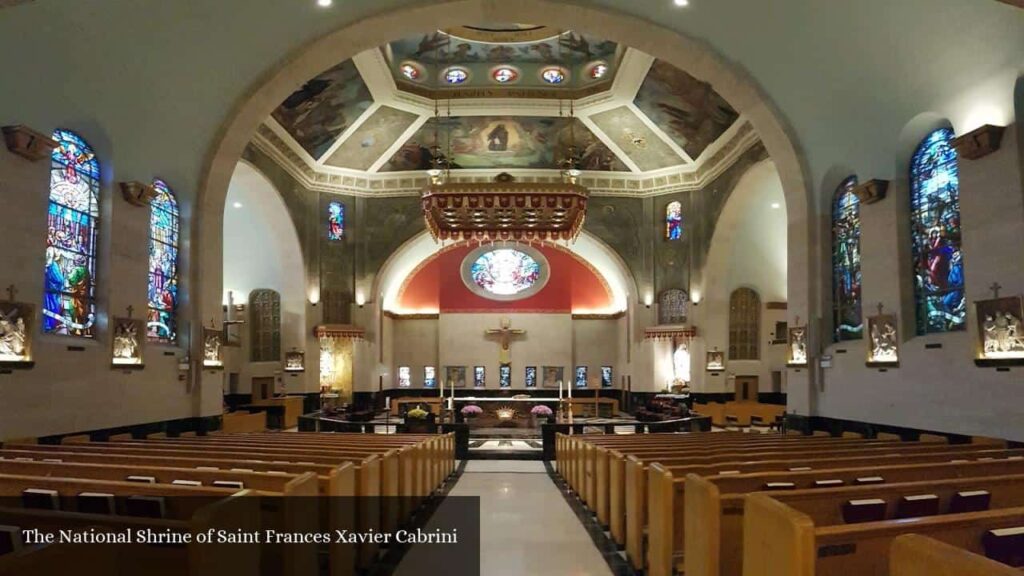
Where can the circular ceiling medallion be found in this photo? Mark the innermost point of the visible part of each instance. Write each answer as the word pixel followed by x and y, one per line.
pixel 597 70
pixel 500 33
pixel 455 75
pixel 554 75
pixel 505 74
pixel 411 71
pixel 505 273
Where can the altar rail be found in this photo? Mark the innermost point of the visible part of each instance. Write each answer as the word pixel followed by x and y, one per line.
pixel 690 424
pixel 314 422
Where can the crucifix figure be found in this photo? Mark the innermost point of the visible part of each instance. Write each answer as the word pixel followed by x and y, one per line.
pixel 130 310
pixel 505 335
pixel 11 292
pixel 880 307
pixel 995 288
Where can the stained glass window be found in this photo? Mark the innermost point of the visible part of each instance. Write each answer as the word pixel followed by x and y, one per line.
pixel 581 376
pixel 479 377
pixel 744 325
pixel 673 221
pixel 429 377
pixel 553 75
pixel 505 75
pixel 847 319
pixel 531 376
pixel 335 220
pixel 935 233
pixel 606 376
pixel 504 376
pixel 404 377
pixel 505 271
pixel 162 325
pixel 455 75
pixel 69 300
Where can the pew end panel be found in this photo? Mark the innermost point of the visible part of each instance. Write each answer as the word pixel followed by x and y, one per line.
pixel 916 555
pixel 778 540
pixel 702 525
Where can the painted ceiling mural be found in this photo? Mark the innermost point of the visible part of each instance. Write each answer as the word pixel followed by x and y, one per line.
pixel 316 114
pixel 504 142
pixel 690 112
pixel 570 47
pixel 638 141
pixel 372 139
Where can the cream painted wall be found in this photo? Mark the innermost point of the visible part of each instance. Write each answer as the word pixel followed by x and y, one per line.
pixel 596 344
pixel 938 389
pixel 415 345
pixel 262 250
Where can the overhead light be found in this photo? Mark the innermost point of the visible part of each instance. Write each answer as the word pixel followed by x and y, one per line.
pixel 237 204
pixel 776 205
pixel 678 2
pixel 326 3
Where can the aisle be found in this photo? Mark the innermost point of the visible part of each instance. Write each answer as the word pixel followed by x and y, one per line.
pixel 527 528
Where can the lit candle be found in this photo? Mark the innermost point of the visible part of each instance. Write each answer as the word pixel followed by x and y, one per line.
pixel 559 390
pixel 569 386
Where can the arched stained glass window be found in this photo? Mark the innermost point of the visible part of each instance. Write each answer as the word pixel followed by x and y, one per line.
pixel 935 233
pixel 674 221
pixel 69 299
pixel 744 325
pixel 162 324
pixel 847 318
pixel 335 221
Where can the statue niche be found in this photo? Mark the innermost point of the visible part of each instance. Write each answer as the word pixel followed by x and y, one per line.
pixel 883 343
pixel 15 336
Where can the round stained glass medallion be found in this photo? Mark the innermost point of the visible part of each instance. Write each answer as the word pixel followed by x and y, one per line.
pixel 504 75
pixel 597 71
pixel 507 273
pixel 456 75
pixel 410 71
pixel 553 75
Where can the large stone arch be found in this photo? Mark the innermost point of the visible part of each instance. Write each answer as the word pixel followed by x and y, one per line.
pixel 689 54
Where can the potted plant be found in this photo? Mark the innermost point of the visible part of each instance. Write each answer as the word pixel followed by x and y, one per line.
pixel 540 414
pixel 419 421
pixel 470 411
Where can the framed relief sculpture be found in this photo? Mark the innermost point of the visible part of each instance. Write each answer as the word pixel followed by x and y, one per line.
pixel 455 376
pixel 796 345
pixel 15 334
pixel 295 361
pixel 883 340
pixel 715 360
pixel 213 348
pixel 553 376
pixel 127 344
pixel 1000 337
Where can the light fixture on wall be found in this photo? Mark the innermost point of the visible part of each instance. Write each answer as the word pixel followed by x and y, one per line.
pixel 237 205
pixel 314 296
pixel 324 3
pixel 682 2
pixel 648 299
pixel 776 205
pixel 360 299
pixel 695 297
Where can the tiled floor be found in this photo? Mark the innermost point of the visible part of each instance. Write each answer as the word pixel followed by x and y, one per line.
pixel 527 528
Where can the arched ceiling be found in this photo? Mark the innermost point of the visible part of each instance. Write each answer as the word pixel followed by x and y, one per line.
pixel 504 97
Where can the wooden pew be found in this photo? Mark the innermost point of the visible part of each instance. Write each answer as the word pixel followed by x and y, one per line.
pixel 717 502
pixel 799 534
pixel 915 555
pixel 244 422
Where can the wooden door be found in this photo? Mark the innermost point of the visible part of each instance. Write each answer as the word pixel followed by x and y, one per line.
pixel 262 388
pixel 746 388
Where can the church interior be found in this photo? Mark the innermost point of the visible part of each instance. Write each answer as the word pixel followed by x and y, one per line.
pixel 707 288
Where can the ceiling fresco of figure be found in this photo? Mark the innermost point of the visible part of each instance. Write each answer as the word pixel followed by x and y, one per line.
pixel 505 142
pixel 688 110
pixel 441 47
pixel 316 114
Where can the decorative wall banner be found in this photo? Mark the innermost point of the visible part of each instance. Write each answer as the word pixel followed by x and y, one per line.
pixel 1000 335
pixel 128 343
pixel 552 376
pixel 715 360
pixel 213 348
pixel 295 361
pixel 796 340
pixel 883 340
pixel 15 333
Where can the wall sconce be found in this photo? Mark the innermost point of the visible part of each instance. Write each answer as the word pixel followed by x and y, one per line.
pixel 314 296
pixel 360 299
pixel 695 297
pixel 648 300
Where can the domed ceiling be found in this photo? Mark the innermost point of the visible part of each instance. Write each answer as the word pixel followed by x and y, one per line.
pixel 509 97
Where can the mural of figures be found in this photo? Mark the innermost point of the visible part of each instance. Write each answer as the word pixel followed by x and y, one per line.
pixel 504 142
pixel 316 114
pixel 999 328
pixel 688 110
pixel 455 375
pixel 69 305
pixel 935 230
pixel 570 47
pixel 553 376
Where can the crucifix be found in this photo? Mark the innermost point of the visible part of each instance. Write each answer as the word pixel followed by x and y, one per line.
pixel 130 309
pixel 880 307
pixel 11 292
pixel 505 335
pixel 995 288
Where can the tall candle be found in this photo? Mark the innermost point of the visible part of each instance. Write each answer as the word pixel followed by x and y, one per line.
pixel 569 386
pixel 559 390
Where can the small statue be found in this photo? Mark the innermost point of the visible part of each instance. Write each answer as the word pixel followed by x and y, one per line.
pixel 211 348
pixel 126 343
pixel 883 343
pixel 798 349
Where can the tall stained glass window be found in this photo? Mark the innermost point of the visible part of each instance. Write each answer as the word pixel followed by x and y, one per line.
pixel 847 319
pixel 429 377
pixel 744 325
pixel 581 376
pixel 479 377
pixel 335 220
pixel 69 299
pixel 531 376
pixel 673 221
pixel 162 325
pixel 935 234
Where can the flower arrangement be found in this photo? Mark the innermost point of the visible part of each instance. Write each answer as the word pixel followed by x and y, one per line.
pixel 417 413
pixel 541 410
pixel 471 410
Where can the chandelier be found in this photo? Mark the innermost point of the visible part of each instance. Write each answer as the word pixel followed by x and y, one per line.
pixel 504 210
